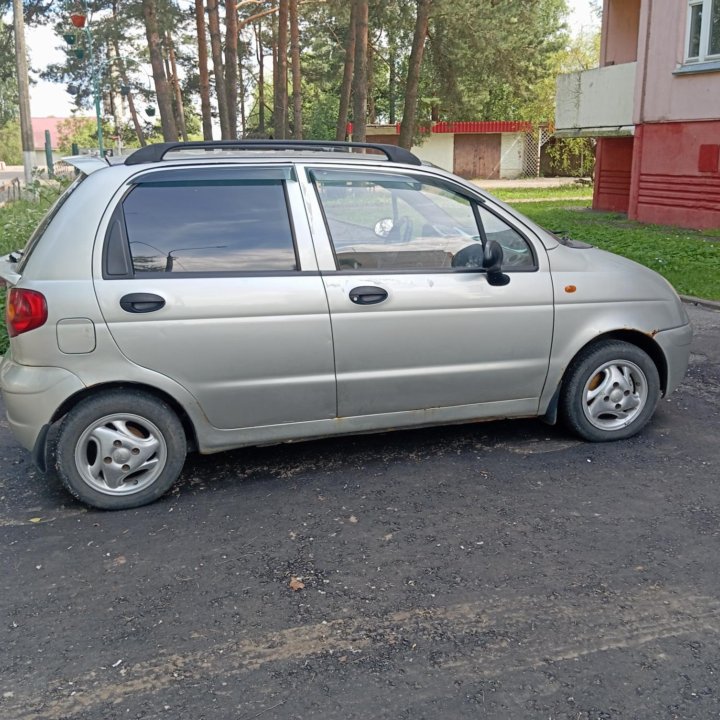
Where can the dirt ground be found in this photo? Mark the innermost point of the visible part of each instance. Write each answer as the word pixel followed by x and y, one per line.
pixel 501 570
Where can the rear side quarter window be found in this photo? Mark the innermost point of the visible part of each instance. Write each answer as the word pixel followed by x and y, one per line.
pixel 45 222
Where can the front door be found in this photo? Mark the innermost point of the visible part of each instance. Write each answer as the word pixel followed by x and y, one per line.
pixel 416 324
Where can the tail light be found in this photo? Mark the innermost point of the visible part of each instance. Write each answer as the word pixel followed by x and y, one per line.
pixel 26 310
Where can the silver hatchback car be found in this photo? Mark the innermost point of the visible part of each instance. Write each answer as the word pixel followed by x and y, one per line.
pixel 209 296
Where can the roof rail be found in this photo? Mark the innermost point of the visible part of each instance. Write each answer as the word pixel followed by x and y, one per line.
pixel 156 152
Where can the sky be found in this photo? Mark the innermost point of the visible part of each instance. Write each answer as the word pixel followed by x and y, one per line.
pixel 51 99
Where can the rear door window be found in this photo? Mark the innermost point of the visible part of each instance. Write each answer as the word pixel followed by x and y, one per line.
pixel 206 226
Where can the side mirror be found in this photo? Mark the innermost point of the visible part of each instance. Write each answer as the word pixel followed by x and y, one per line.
pixel 492 263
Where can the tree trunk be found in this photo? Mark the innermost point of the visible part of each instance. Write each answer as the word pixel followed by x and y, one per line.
pixel 162 88
pixel 359 87
pixel 205 107
pixel 261 79
pixel 231 64
pixel 130 100
pixel 166 61
pixel 216 50
pixel 296 78
pixel 371 113
pixel 407 126
pixel 345 89
pixel 134 115
pixel 281 94
pixel 241 86
pixel 392 80
pixel 117 104
pixel 179 110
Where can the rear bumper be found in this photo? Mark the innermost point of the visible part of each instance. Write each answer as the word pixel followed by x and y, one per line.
pixel 32 395
pixel 675 345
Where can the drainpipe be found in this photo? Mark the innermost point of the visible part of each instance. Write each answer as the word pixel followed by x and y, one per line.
pixel 640 120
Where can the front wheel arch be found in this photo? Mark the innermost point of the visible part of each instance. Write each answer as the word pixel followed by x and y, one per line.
pixel 609 391
pixel 644 341
pixel 634 337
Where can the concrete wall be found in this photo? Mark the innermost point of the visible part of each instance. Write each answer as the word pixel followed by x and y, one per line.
pixel 437 149
pixel 621 23
pixel 600 98
pixel 440 149
pixel 512 155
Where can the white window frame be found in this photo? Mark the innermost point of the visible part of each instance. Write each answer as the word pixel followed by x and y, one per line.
pixel 703 53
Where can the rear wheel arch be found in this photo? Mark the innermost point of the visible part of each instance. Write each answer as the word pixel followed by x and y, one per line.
pixel 119 449
pixel 187 424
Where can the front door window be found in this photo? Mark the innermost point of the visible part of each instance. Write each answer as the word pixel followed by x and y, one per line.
pixel 397 223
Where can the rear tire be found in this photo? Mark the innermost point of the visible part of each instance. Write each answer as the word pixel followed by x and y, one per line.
pixel 119 449
pixel 610 391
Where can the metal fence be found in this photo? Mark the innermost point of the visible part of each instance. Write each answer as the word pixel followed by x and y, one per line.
pixel 63 170
pixel 534 142
pixel 10 190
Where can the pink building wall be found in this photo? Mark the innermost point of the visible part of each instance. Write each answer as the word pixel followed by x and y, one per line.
pixel 661 95
pixel 619 40
pixel 669 172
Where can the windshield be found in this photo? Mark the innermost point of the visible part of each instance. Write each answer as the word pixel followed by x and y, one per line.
pixel 40 229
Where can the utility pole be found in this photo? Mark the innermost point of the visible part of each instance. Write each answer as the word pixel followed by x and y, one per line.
pixel 26 133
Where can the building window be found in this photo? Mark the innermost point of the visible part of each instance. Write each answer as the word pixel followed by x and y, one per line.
pixel 703 30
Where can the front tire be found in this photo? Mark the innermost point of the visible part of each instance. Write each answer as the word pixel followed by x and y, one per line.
pixel 610 391
pixel 119 449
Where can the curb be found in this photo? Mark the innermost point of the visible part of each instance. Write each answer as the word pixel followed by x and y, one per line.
pixel 710 304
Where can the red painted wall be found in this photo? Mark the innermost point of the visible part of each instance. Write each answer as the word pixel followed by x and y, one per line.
pixel 613 162
pixel 676 174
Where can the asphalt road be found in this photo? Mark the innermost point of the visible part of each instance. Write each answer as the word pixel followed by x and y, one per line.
pixel 501 570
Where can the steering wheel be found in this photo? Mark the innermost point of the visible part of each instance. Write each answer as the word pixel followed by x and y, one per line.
pixel 403 230
pixel 514 258
pixel 469 257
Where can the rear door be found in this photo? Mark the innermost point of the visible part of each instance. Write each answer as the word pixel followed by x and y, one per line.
pixel 209 279
pixel 416 323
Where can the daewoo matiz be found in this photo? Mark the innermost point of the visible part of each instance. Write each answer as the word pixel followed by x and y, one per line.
pixel 209 296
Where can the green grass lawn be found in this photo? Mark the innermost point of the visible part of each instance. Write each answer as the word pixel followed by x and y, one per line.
pixel 558 192
pixel 689 259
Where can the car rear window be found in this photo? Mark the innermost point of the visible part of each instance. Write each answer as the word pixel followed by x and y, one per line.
pixel 47 219
pixel 210 226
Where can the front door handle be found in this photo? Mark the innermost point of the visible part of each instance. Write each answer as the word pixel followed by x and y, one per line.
pixel 141 302
pixel 368 295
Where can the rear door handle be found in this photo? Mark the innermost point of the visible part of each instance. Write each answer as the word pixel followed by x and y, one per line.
pixel 368 295
pixel 141 302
